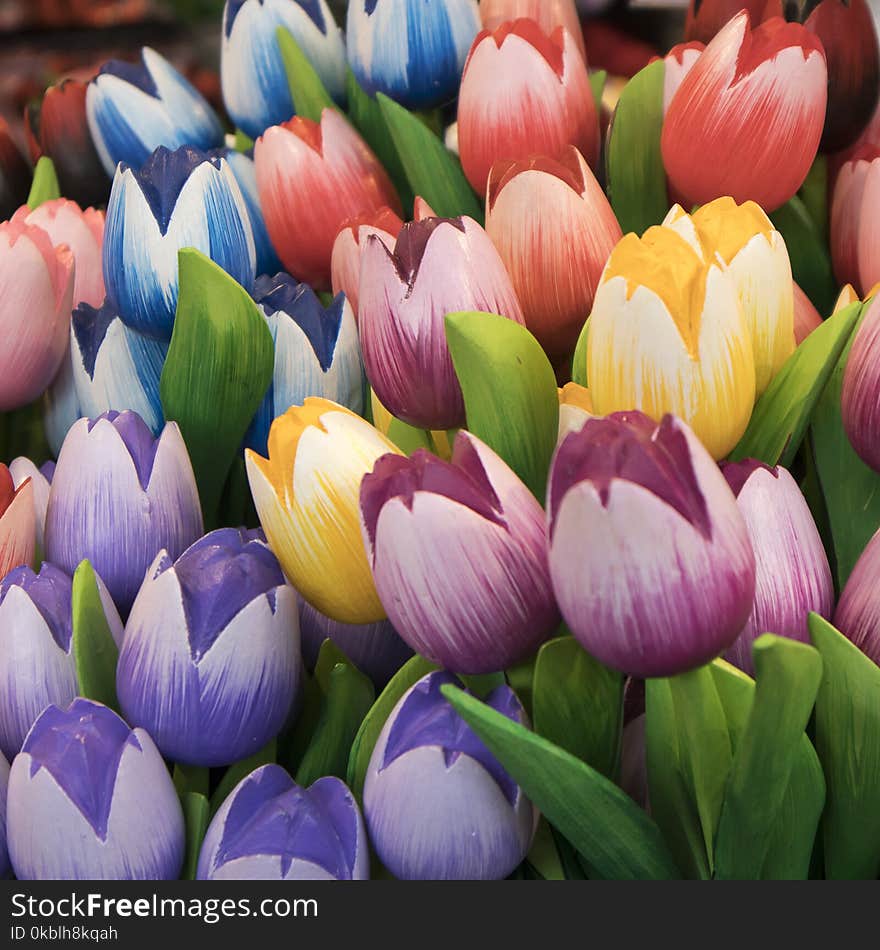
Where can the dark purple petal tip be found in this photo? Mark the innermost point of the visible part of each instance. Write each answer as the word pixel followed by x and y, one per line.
pixel 142 445
pixel 412 242
pixel 50 592
pixel 135 74
pixel 90 326
pixel 738 473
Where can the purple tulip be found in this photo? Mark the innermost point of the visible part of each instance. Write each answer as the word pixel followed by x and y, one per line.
pixel 210 662
pixel 376 649
pixel 859 402
pixel 792 576
pixel 270 829
pixel 459 556
pixel 438 805
pixel 858 610
pixel 91 799
pixel 119 496
pixel 650 557
pixel 438 266
pixel 5 866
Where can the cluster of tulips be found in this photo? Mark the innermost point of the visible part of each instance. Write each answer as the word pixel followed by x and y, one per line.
pixel 480 492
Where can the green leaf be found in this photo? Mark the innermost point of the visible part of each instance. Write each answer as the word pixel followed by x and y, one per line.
pixel 431 169
pixel 781 415
pixel 810 261
pixel 408 438
pixel 510 394
pixel 597 84
pixel 310 98
pixel 609 830
pixel 544 855
pixel 578 704
pixel 292 745
pixel 196 816
pixel 45 185
pixel 243 142
pixel 329 657
pixel 635 173
pixel 788 676
pixel 579 362
pixel 219 366
pixel 848 743
pixel 240 770
pixel 94 650
pixel 362 747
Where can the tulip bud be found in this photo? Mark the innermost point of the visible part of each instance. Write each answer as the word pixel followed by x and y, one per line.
pixel 91 799
pixel 133 108
pixel 58 128
pixel 21 469
pixel 668 335
pixel 850 214
pixel 5 866
pixel 118 497
pixel 306 494
pixel 858 611
pixel 316 352
pixel 438 804
pixel 345 261
pixel 459 556
pixel 650 558
pixel 548 14
pixel 554 229
pixel 575 407
pixel 412 52
pixel 256 91
pixel 806 316
pixel 747 119
pixel 15 177
pixel 524 92
pixel 859 403
pixel 218 630
pixel 757 260
pixel 791 567
pixel 376 649
pixel 17 522
pixel 271 829
pixel 177 199
pixel 36 289
pixel 706 17
pixel 311 178
pixel 438 266
pixel 246 175
pixel 677 63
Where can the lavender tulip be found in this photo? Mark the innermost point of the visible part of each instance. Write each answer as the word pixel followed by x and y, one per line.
pixel 119 496
pixel 270 829
pixel 91 799
pixel 459 556
pixel 650 557
pixel 858 610
pixel 210 663
pixel 791 567
pixel 5 866
pixel 438 805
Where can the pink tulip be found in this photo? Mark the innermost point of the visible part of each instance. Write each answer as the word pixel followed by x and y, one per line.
pixel 806 316
pixel 849 202
pixel 17 523
pixel 345 262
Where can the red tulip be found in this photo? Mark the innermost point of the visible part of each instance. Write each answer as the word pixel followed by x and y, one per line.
pixel 747 119
pixel 523 92
pixel 706 17
pixel 548 14
pixel 678 62
pixel 17 525
pixel 345 262
pixel 311 178
pixel 554 229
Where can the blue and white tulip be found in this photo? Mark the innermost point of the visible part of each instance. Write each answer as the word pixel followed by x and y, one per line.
pixel 255 87
pixel 245 172
pixel 184 198
pixel 411 50
pixel 133 108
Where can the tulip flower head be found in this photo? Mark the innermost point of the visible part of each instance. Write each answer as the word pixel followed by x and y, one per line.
pixel 554 229
pixel 119 496
pixel 747 119
pixel 17 522
pixel 245 172
pixel 859 403
pixel 271 829
pixel 575 407
pixel 21 469
pixel 548 14
pixel 345 261
pixel 677 63
pixel 133 108
pixel 306 494
pixel 36 293
pixel 91 799
pixel 412 51
pixel 256 91
pixel 316 352
pixel 220 623
pixel 459 556
pixel 438 266
pixel 668 335
pixel 438 804
pixel 650 557
pixel 179 199
pixel 851 212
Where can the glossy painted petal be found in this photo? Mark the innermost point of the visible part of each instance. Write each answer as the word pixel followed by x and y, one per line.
pixel 345 262
pixel 17 523
pixel 246 175
pixel 524 92
pixel 650 558
pixel 438 805
pixel 858 611
pixel 792 572
pixel 677 63
pixel 860 406
pixel 459 557
pixel 575 407
pixel 868 253
pixel 747 119
pixel 90 799
pixel 547 13
pixel 22 468
pixel 255 87
pixel 847 205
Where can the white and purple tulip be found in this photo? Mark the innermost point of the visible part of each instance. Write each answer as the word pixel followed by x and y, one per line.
pixel 210 663
pixel 438 805
pixel 119 496
pixel 792 575
pixel 271 829
pixel 650 557
pixel 459 556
